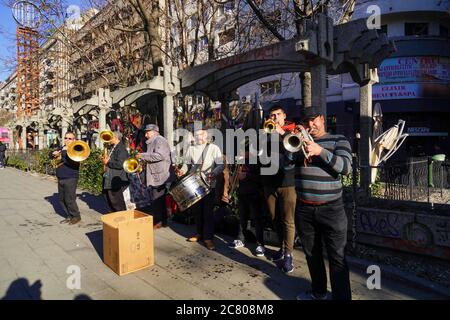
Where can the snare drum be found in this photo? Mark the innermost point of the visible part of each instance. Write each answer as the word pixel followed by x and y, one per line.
pixel 190 190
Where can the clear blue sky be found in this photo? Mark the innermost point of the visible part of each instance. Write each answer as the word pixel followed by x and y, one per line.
pixel 8 38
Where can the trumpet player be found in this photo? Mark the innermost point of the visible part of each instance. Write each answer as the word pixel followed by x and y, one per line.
pixel 158 173
pixel 280 196
pixel 115 179
pixel 67 173
pixel 320 215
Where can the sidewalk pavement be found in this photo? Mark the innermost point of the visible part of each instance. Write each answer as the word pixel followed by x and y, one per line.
pixel 36 251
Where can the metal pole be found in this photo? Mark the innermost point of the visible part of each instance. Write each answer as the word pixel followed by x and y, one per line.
pixel 410 179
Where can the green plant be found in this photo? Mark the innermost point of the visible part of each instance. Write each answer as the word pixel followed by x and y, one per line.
pixel 91 173
pixel 42 160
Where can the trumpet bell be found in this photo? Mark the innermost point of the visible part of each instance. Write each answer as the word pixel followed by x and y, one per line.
pixel 78 150
pixel 132 165
pixel 106 136
pixel 293 142
pixel 269 126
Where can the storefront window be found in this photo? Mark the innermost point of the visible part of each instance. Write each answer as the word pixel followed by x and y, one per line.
pixel 331 124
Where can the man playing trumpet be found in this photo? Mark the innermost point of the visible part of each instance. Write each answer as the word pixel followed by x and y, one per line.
pixel 320 214
pixel 115 179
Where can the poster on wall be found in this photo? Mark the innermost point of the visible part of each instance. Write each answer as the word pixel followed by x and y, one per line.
pixel 410 69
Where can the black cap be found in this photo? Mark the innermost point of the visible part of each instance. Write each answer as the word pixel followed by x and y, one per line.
pixel 310 112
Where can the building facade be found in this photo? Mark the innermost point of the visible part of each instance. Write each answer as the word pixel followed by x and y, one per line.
pixel 414 82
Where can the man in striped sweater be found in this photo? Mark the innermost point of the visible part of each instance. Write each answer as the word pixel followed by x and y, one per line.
pixel 320 215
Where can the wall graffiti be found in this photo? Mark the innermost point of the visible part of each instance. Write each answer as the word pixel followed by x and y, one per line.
pixel 413 232
pixel 385 225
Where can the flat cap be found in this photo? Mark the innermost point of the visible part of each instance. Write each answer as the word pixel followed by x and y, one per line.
pixel 310 112
pixel 151 127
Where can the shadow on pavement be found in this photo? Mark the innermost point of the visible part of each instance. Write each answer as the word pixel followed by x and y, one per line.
pixel 96 238
pixel 96 203
pixel 82 297
pixel 54 201
pixel 285 286
pixel 20 289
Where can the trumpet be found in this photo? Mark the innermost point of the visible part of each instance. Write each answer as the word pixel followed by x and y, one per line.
pixel 296 141
pixel 132 165
pixel 269 126
pixel 78 151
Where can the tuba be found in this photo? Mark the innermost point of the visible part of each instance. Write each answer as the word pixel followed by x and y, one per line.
pixel 132 165
pixel 78 150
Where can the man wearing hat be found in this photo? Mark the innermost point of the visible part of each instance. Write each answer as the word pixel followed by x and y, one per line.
pixel 158 171
pixel 320 215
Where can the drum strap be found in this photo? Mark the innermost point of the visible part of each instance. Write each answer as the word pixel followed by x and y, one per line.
pixel 199 165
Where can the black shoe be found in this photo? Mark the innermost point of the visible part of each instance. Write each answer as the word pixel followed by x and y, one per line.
pixel 75 220
pixel 66 220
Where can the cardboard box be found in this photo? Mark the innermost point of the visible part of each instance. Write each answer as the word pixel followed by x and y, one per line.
pixel 128 241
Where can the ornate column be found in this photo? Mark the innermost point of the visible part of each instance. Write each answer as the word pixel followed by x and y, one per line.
pixel 365 120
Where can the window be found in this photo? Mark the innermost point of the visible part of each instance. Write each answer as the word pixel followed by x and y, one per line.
pixel 228 7
pixel 331 124
pixel 203 42
pixel 226 36
pixel 270 88
pixel 416 29
pixel 192 23
pixel 443 31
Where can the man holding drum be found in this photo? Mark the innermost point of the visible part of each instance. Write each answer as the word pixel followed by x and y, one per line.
pixel 206 158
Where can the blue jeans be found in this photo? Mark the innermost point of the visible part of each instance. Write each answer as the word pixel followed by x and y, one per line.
pixel 325 224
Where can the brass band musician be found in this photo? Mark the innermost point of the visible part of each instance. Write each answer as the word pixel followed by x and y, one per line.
pixel 67 172
pixel 206 158
pixel 159 177
pixel 115 179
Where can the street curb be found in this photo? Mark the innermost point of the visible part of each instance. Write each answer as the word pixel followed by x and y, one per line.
pixel 397 275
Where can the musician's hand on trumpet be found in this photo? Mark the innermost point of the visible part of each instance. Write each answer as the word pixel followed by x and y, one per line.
pixel 312 148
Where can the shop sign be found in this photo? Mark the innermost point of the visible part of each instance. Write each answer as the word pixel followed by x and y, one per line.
pixel 410 69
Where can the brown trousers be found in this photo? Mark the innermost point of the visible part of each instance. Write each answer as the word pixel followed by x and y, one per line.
pixel 281 207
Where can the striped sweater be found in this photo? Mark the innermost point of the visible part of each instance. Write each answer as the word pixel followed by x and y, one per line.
pixel 319 181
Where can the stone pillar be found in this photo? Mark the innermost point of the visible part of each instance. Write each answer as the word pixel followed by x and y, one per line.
pixel 171 88
pixel 24 134
pixel 168 118
pixel 104 104
pixel 319 88
pixel 41 136
pixel 365 120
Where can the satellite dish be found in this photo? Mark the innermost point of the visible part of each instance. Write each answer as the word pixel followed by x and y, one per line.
pixel 386 145
pixel 26 14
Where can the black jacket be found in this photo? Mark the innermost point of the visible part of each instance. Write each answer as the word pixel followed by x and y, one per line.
pixel 115 177
pixel 2 148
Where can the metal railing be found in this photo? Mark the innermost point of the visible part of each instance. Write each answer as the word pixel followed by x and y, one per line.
pixel 30 158
pixel 418 179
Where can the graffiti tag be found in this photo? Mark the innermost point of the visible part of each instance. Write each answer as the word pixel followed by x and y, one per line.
pixel 385 225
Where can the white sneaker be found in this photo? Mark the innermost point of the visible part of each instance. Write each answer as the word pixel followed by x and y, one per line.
pixel 259 251
pixel 236 244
